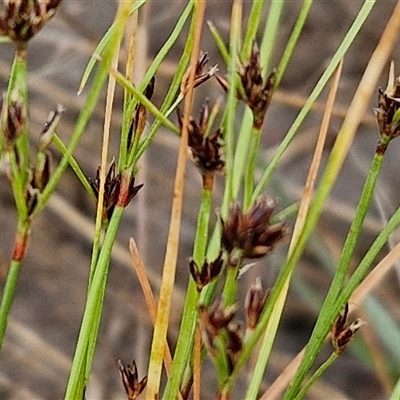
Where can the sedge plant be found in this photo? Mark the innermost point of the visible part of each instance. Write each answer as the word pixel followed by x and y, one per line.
pixel 224 141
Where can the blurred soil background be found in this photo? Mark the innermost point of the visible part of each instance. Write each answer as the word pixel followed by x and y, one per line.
pixel 46 314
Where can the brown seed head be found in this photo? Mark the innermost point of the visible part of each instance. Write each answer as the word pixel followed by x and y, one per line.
pixel 235 335
pixel 200 75
pixel 140 115
pixel 213 320
pixel 254 304
pixel 46 135
pixel 130 380
pixel 206 150
pixel 257 92
pixel 388 111
pixel 112 188
pixel 22 19
pixel 207 272
pixel 252 232
pixel 341 334
pixel 12 121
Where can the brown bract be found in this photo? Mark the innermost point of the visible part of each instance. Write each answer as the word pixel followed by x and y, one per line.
pixel 20 20
pixel 252 232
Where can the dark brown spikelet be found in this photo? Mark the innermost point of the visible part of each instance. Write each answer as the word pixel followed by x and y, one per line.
pixel 207 272
pixel 20 20
pixel 252 232
pixel 255 301
pixel 140 115
pixel 12 121
pixel 200 75
pixel 130 380
pixel 257 92
pixel 342 334
pixel 387 112
pixel 112 188
pixel 212 320
pixel 206 150
pixel 234 345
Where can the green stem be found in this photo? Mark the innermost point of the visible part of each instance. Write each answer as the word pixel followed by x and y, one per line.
pixel 149 74
pixel 91 318
pixel 85 113
pixel 20 244
pixel 18 89
pixel 338 56
pixel 18 186
pixel 185 342
pixel 325 316
pixel 74 165
pixel 316 375
pixel 294 37
pixel 251 166
pixel 230 109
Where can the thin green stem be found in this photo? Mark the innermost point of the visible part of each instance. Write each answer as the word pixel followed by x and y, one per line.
pixel 294 37
pixel 74 165
pixel 168 98
pixel 18 186
pixel 91 318
pixel 339 54
pixel 230 291
pixel 20 244
pixel 248 136
pixel 316 375
pixel 84 115
pixel 230 110
pixel 321 328
pixel 18 90
pixel 251 166
pixel 185 342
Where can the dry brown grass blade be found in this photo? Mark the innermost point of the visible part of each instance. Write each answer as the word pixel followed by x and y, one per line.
pixel 169 268
pixel 148 294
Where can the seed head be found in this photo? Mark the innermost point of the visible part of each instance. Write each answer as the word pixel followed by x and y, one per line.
pixel 214 319
pixel 255 302
pixel 207 272
pixel 20 20
pixel 206 150
pixel 341 334
pixel 112 189
pixel 255 91
pixel 200 76
pixel 252 232
pixel 388 111
pixel 140 115
pixel 130 380
pixel 46 135
pixel 12 121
